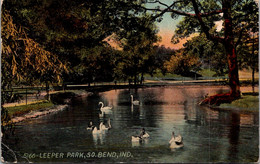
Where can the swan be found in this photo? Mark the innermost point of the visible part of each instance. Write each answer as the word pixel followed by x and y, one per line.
pixel 105 109
pixel 146 135
pixel 136 138
pixel 176 142
pixel 103 127
pixel 101 114
pixel 134 102
pixel 143 135
pixel 90 126
pixel 96 131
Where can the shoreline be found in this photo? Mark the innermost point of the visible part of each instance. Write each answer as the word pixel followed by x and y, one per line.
pixel 87 91
pixel 45 111
pixel 39 113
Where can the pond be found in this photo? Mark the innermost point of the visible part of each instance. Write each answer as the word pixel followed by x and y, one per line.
pixel 208 135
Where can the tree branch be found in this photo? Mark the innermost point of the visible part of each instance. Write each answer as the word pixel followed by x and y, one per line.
pixel 239 38
pixel 181 12
pixel 204 28
pixel 157 1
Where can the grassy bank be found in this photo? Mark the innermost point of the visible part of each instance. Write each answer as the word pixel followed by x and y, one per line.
pixel 23 109
pixel 246 103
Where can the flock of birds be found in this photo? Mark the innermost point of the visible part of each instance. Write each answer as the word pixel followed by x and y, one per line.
pixel 175 142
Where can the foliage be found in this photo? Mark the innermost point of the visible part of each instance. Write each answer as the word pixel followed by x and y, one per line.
pixel 182 63
pixel 209 53
pixel 22 57
pixel 248 53
pixel 200 17
pixel 161 55
pixel 75 30
pixel 97 64
pixel 138 43
pixel 67 28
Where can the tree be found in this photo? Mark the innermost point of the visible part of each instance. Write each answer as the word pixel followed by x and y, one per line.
pixel 248 55
pixel 161 55
pixel 97 64
pixel 182 63
pixel 248 49
pixel 22 57
pixel 73 28
pixel 138 42
pixel 210 53
pixel 200 16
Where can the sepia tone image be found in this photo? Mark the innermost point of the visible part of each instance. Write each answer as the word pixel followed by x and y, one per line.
pixel 132 81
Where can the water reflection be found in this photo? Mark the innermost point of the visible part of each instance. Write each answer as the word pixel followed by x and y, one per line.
pixel 234 136
pixel 208 135
pixel 140 143
pixel 99 138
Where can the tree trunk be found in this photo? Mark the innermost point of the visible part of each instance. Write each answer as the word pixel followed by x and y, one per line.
pixel 253 80
pixel 142 78
pixel 47 90
pixel 135 80
pixel 232 61
pixel 233 69
pixel 253 66
pixel 230 50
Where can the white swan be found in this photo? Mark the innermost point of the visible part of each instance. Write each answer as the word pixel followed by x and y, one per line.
pixel 134 102
pixel 176 142
pixel 146 135
pixel 103 127
pixel 106 109
pixel 101 114
pixel 96 131
pixel 143 135
pixel 138 138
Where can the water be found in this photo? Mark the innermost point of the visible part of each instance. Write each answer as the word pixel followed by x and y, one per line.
pixel 209 135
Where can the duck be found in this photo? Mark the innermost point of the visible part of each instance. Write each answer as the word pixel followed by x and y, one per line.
pixel 134 102
pixel 90 126
pixel 105 109
pixel 176 142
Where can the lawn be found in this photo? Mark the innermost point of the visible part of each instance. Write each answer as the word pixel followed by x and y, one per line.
pixel 22 109
pixel 247 103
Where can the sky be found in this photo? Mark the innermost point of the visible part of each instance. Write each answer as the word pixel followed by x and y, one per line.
pixel 167 27
pixel 166 30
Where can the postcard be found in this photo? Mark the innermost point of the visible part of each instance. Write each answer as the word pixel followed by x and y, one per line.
pixel 129 81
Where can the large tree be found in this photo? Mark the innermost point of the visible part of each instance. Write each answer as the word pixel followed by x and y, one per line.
pixel 70 28
pixel 200 16
pixel 22 57
pixel 138 41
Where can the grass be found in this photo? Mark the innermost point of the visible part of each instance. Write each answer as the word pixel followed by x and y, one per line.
pixel 247 102
pixel 203 72
pixel 159 74
pixel 23 109
pixel 207 72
